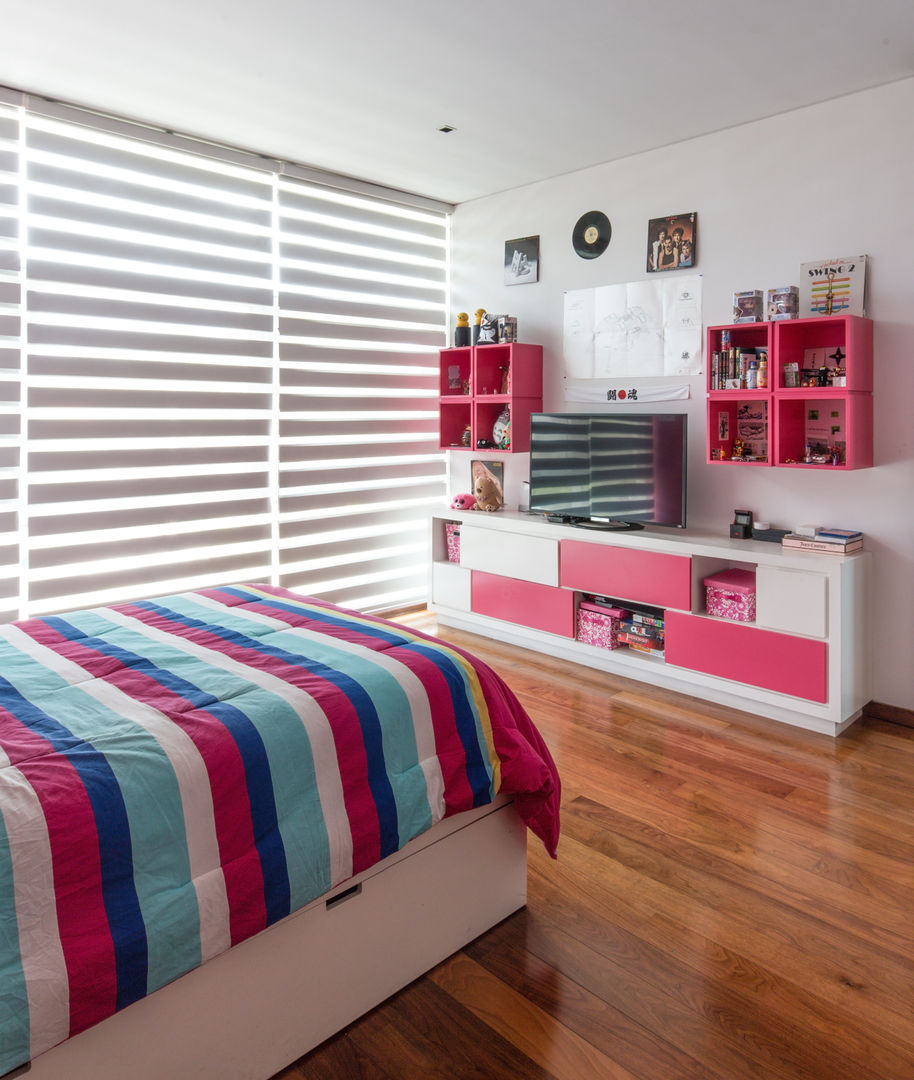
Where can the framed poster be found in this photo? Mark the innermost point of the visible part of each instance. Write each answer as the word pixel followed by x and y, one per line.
pixel 672 242
pixel 522 260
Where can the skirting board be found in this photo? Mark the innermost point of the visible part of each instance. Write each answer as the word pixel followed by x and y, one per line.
pixel 252 1011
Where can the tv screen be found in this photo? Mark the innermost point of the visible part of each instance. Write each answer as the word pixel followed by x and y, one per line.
pixel 609 471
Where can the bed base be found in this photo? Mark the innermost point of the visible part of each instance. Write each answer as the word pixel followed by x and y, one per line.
pixel 250 1012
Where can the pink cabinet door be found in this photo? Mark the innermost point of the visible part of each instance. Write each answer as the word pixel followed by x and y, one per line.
pixel 780 662
pixel 541 607
pixel 645 576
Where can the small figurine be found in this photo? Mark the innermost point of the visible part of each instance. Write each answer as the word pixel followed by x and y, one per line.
pixel 479 314
pixel 488 330
pixel 464 501
pixel 739 448
pixel 462 330
pixel 467 436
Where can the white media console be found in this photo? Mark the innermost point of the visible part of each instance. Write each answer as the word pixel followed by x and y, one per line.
pixel 804 660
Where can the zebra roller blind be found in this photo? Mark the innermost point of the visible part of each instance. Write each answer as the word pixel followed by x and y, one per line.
pixel 226 373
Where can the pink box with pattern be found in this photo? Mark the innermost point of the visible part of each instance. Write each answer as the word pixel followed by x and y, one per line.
pixel 598 625
pixel 731 595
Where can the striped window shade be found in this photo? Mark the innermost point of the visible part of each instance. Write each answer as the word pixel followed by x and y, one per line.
pixel 10 358
pixel 227 373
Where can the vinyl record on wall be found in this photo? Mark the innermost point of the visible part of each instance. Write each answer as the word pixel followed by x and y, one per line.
pixel 591 234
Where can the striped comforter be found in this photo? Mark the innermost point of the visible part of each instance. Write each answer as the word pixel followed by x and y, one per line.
pixel 178 774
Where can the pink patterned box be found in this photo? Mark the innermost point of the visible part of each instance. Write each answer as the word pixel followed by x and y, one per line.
pixel 731 595
pixel 600 625
pixel 452 529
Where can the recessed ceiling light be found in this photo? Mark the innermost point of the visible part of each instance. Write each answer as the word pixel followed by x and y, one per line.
pixel 447 129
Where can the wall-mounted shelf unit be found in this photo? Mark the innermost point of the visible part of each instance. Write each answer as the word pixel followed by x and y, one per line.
pixel 476 383
pixel 790 423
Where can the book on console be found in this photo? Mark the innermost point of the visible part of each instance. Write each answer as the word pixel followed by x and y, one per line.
pixel 839 535
pixel 829 547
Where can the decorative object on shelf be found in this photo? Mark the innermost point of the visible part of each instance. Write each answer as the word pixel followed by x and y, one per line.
pixel 522 258
pixel 507 329
pixel 741 525
pixel 464 501
pixel 467 437
pixel 462 330
pixel 672 242
pixel 783 303
pixel 833 286
pixel 478 324
pixel 591 234
pixel 501 430
pixel 488 485
pixel 488 329
pixel 748 306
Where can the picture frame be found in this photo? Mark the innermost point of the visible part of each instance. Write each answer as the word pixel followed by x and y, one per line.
pixel 672 243
pixel 522 260
pixel 487 479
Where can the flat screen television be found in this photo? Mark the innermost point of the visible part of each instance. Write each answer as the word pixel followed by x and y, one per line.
pixel 609 471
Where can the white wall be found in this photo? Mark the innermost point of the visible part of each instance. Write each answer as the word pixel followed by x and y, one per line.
pixel 826 181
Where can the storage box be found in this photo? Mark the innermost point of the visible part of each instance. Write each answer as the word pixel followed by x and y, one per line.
pixel 452 529
pixel 731 595
pixel 599 625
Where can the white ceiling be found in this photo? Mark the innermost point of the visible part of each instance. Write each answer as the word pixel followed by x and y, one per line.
pixel 534 88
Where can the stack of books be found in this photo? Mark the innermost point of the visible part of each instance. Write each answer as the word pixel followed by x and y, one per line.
pixel 643 633
pixel 828 541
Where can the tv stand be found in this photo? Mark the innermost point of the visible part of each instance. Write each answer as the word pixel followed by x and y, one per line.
pixel 803 661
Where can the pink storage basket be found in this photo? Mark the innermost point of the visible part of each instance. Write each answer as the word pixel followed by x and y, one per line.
pixel 731 595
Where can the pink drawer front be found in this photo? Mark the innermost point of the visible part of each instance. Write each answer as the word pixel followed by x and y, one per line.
pixel 646 576
pixel 764 658
pixel 541 607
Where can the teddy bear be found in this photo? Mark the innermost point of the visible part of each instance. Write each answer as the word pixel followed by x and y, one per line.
pixel 466 501
pixel 486 491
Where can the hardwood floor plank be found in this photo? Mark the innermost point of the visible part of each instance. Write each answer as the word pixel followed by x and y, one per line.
pixel 543 1037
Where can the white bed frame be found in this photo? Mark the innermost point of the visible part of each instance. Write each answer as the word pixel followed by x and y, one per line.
pixel 250 1012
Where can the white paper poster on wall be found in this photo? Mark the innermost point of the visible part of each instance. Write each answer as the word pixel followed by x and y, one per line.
pixel 640 329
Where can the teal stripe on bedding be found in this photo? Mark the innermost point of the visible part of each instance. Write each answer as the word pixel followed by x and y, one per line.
pixel 166 895
pixel 401 754
pixel 14 1004
pixel 300 819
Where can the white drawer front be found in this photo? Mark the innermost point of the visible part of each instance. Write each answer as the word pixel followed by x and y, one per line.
pixel 795 601
pixel 451 586
pixel 528 558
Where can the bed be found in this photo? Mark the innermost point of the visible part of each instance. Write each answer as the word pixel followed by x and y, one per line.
pixel 233 820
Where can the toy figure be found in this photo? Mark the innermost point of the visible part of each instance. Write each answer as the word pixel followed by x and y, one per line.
pixel 462 331
pixel 464 501
pixel 479 314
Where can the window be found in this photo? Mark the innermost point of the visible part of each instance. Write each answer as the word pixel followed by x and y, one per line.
pixel 224 372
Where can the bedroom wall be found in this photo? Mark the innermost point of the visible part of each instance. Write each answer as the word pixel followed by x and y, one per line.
pixel 825 181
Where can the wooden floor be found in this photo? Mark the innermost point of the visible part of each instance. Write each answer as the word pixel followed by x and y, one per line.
pixel 733 899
